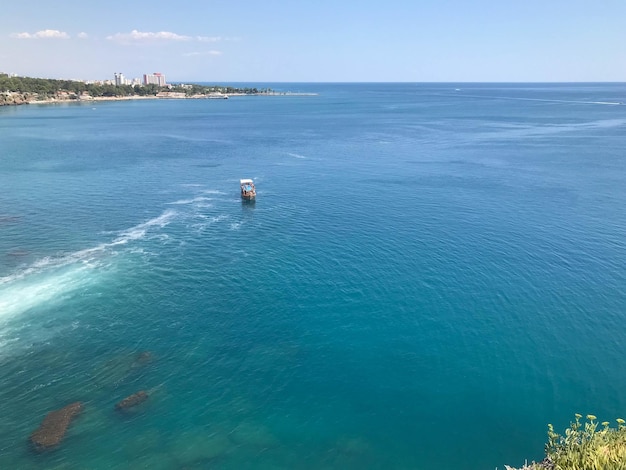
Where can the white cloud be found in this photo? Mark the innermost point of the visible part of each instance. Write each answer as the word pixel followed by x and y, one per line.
pixel 208 38
pixel 44 34
pixel 82 35
pixel 216 38
pixel 194 54
pixel 146 37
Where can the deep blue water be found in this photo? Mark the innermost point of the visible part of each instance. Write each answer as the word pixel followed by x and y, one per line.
pixel 431 273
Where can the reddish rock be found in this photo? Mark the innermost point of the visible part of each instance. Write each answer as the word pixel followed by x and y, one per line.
pixel 54 426
pixel 132 400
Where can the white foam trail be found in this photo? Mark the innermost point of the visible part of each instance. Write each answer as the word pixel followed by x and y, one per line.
pixel 190 201
pixel 546 100
pixel 560 101
pixel 296 155
pixel 25 294
pixel 518 131
pixel 86 256
pixel 49 278
pixel 139 231
pixel 208 221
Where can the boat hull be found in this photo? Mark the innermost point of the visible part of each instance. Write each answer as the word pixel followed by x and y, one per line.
pixel 248 191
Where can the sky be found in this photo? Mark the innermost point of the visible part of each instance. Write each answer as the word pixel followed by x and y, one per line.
pixel 317 41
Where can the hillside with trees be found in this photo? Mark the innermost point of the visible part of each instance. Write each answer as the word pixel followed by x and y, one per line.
pixel 19 90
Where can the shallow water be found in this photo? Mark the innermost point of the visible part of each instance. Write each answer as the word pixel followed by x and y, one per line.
pixel 427 278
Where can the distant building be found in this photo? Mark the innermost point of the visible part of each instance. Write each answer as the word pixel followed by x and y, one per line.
pixel 155 78
pixel 120 79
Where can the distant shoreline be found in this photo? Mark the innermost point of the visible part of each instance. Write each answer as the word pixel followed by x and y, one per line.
pixel 20 100
pixel 88 100
pixel 16 90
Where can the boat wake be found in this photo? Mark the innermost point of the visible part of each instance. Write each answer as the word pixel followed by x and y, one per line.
pixel 35 296
pixel 195 200
pixel 296 155
pixel 544 100
pixel 139 231
pixel 53 278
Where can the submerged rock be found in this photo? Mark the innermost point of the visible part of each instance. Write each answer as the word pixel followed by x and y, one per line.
pixel 121 368
pixel 254 435
pixel 353 446
pixel 148 442
pixel 132 400
pixel 142 359
pixel 54 426
pixel 9 219
pixel 197 449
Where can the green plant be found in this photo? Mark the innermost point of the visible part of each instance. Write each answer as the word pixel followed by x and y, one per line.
pixel 585 447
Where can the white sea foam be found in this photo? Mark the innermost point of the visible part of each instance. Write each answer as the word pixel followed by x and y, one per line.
pixel 296 155
pixel 42 288
pixel 610 103
pixel 44 385
pixel 51 278
pixel 194 200
pixel 139 231
pixel 85 257
pixel 207 221
pixel 511 131
pixel 211 219
pixel 545 100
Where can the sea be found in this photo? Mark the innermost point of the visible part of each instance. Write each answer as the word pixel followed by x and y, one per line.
pixel 429 275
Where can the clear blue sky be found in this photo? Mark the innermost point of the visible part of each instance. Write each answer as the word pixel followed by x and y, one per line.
pixel 321 40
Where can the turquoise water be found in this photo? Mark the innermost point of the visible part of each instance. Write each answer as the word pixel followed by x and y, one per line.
pixel 429 275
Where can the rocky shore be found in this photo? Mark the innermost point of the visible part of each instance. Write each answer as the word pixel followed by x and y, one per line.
pixel 15 99
pixel 8 99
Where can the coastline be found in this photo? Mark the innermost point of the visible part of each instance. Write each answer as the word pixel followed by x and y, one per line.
pixel 20 99
pixel 91 99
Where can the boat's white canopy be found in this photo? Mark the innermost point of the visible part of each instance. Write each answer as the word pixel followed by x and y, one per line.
pixel 246 182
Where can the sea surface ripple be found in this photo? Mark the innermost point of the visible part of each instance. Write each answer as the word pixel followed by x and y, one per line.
pixel 429 275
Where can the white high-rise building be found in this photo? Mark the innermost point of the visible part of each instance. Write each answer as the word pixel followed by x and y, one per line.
pixel 156 78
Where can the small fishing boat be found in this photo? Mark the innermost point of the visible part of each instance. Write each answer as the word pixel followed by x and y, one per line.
pixel 248 191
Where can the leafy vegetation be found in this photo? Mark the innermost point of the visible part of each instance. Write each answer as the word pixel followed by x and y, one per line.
pixel 45 88
pixel 191 90
pixel 585 446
